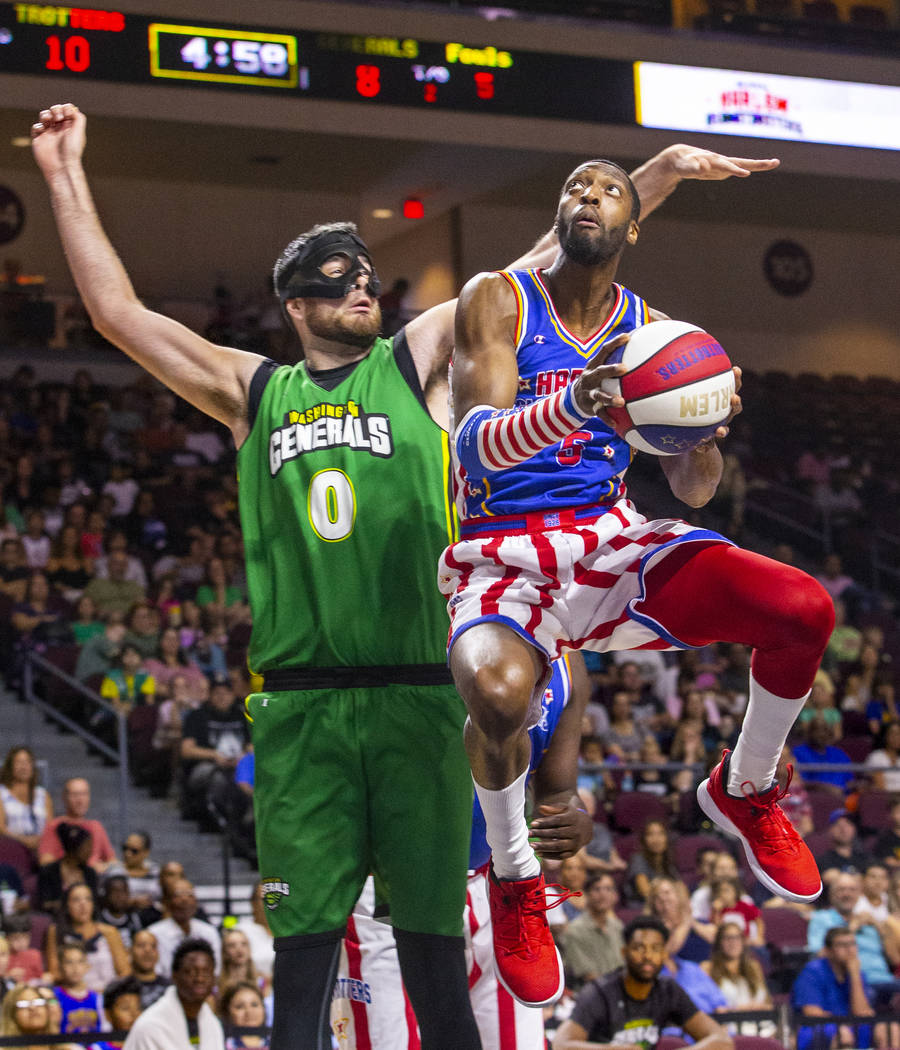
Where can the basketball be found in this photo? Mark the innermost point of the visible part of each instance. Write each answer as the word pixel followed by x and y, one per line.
pixel 677 388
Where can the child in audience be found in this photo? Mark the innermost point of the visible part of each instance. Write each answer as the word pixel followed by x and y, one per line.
pixel 80 1006
pixel 25 963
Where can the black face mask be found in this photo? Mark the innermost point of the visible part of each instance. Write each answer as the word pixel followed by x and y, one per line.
pixel 307 280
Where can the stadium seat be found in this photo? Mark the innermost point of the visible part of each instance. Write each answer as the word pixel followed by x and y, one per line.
pixel 40 923
pixel 854 723
pixel 858 748
pixel 632 809
pixel 12 852
pixel 824 803
pixel 875 810
pixel 785 928
pixel 686 848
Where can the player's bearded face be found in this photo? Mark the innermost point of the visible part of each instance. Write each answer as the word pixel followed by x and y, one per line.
pixel 338 321
pixel 590 246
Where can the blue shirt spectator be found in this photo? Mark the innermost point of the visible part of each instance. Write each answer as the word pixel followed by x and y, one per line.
pixel 833 986
pixel 818 748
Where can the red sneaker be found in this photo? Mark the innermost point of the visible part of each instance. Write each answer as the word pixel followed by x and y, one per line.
pixel 778 857
pixel 526 960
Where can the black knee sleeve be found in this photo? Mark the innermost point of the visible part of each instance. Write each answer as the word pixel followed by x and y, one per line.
pixel 302 982
pixel 434 973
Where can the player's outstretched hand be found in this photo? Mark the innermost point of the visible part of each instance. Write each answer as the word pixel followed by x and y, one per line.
pixel 559 831
pixel 691 162
pixel 58 138
pixel 589 395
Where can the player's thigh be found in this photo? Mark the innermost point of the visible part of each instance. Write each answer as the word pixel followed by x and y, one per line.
pixel 310 803
pixel 420 805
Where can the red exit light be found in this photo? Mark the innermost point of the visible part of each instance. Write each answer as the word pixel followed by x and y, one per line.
pixel 413 208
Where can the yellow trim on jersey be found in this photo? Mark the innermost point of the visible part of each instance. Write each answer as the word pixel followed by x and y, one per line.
pixel 450 514
pixel 247 714
pixel 487 496
pixel 567 671
pixel 588 348
pixel 520 303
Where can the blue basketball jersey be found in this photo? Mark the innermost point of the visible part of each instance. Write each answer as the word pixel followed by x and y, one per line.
pixel 556 696
pixel 588 466
pixel 78 1015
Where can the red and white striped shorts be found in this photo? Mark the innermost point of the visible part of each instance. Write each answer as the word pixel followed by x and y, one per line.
pixel 563 580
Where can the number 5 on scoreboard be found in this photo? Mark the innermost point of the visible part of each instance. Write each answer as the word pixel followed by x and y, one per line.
pixel 331 504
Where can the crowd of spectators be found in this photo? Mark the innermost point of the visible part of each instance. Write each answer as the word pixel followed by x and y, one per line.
pixel 121 563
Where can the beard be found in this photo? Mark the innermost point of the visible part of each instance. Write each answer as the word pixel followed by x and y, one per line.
pixel 358 330
pixel 591 247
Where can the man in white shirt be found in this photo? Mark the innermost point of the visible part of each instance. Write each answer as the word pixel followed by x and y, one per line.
pixel 182 924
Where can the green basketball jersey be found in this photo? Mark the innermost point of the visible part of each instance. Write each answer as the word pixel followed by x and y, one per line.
pixel 345 509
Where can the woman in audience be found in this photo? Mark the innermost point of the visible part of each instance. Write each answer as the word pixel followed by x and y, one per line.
pixel 26 1012
pixel 740 977
pixel 87 623
pixel 170 660
pixel 25 807
pixel 68 569
pixel 652 860
pixel 72 868
pixel 868 686
pixel 6 982
pixel 668 900
pixel 142 872
pixel 199 642
pixel 822 702
pixel 256 927
pixel 217 594
pixel 885 761
pixel 241 1004
pixel 624 737
pixel 237 963
pixel 107 958
pixel 40 619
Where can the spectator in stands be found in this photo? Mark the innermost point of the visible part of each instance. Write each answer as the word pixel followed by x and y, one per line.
pixel 6 982
pixel 256 927
pixel 242 1005
pixel 869 686
pixel 592 943
pixel 169 874
pixel 67 568
pixel 822 702
pixel 40 620
pixel 107 958
pixel 846 854
pixel 633 1005
pixel 76 799
pixel 26 964
pixel 85 624
pixel 669 902
pixel 739 976
pixel 182 923
pixel 26 1012
pixel 885 760
pixel 170 660
pixel 144 963
pixel 879 950
pixel 217 595
pixel 14 571
pixel 80 1004
pixel 214 736
pixel 688 746
pixel 122 487
pixel 121 1007
pixel 72 487
pixel 600 854
pixel 237 962
pixel 25 806
pixel 98 654
pixel 12 891
pixel 129 683
pixel 116 907
pixel 144 628
pixel 721 866
pixel 72 868
pixel 92 536
pixel 873 900
pixel 142 872
pixel 728 906
pixel 35 540
pixel 652 781
pixel 653 859
pixel 845 641
pixel 834 579
pixel 819 749
pixel 115 593
pixel 886 847
pixel 146 530
pixel 700 988
pixel 796 803
pixel 572 876
pixel 197 641
pixel 833 986
pixel 182 1018
pixel 116 542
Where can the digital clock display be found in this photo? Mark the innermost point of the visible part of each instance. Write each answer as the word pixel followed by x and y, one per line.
pixel 471 76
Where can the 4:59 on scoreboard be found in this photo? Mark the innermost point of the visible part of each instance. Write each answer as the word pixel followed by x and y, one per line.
pixel 474 76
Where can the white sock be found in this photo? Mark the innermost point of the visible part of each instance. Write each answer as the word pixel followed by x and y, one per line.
pixel 507 832
pixel 767 722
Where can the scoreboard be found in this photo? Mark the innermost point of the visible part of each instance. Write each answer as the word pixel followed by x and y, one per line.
pixel 473 76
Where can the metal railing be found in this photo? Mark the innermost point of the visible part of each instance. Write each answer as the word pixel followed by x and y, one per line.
pixel 36 668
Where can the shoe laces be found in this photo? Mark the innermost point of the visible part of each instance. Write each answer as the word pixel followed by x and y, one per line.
pixel 772 826
pixel 528 921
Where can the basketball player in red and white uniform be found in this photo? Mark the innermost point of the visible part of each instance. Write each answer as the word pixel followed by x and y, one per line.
pixel 370 1010
pixel 553 557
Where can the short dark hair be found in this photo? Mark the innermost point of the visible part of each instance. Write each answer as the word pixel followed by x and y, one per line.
pixel 836 931
pixel 284 264
pixel 596 877
pixel 18 923
pixel 644 922
pixel 191 944
pixel 116 989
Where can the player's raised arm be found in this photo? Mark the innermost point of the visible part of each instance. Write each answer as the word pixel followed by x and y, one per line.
pixel 215 379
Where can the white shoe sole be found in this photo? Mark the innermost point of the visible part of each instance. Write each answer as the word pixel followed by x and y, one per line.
pixel 545 1002
pixel 705 799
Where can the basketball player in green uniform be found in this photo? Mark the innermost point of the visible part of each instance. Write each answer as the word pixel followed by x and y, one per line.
pixel 343 466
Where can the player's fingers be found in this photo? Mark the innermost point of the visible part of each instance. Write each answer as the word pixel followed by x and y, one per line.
pixel 738 377
pixel 37 129
pixel 755 163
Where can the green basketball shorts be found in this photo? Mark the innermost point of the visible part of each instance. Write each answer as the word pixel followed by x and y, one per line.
pixel 357 781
